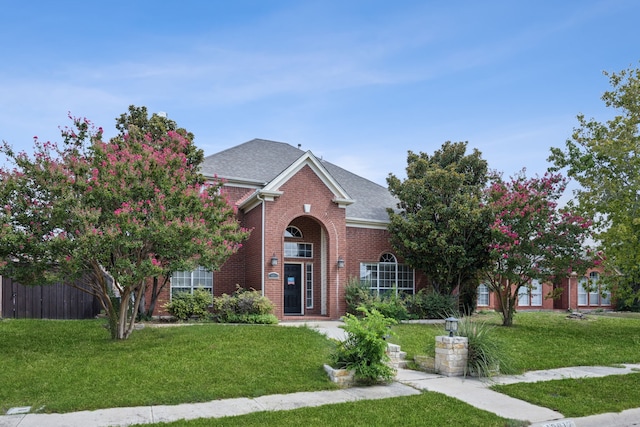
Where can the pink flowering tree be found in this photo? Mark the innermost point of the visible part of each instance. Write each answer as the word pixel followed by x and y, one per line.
pixel 533 238
pixel 107 216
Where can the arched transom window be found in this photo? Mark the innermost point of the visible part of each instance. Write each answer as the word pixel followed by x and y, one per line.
pixel 293 232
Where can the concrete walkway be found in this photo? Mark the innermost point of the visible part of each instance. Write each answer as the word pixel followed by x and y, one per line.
pixel 473 391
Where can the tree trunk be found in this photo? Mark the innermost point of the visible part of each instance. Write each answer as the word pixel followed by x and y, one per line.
pixel 507 317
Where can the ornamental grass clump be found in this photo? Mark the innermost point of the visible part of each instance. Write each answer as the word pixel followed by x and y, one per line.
pixel 485 358
pixel 364 349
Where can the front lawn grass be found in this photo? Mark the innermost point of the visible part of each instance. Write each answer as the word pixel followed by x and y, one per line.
pixel 64 366
pixel 543 340
pixel 580 397
pixel 425 409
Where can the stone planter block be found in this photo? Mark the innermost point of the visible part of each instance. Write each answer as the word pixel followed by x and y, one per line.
pixel 342 377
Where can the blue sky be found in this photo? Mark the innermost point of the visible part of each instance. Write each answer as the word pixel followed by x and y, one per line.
pixel 359 83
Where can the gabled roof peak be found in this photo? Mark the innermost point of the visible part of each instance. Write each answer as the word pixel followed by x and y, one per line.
pixel 258 162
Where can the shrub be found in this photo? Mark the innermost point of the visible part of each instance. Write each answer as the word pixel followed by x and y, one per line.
pixel 485 358
pixel 364 349
pixel 244 306
pixel 184 305
pixel 391 305
pixel 358 294
pixel 430 305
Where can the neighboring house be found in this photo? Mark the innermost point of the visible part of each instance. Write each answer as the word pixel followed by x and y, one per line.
pixel 574 293
pixel 314 226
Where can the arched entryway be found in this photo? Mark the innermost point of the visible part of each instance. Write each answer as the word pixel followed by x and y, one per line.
pixel 304 281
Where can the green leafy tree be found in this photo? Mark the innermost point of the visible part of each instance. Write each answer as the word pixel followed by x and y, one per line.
pixel 604 158
pixel 441 227
pixel 112 214
pixel 532 237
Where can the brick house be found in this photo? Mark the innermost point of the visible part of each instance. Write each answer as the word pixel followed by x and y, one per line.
pixel 313 227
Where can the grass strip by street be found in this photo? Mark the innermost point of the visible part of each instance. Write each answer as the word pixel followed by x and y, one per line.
pixel 425 409
pixel 64 366
pixel 580 397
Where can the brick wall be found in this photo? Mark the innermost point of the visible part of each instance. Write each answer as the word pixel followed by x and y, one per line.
pixel 367 245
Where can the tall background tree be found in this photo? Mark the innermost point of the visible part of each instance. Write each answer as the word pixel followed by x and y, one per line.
pixel 604 158
pixel 441 227
pixel 533 238
pixel 112 214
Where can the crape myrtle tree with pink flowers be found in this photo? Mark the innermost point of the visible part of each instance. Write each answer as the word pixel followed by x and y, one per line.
pixel 108 216
pixel 533 238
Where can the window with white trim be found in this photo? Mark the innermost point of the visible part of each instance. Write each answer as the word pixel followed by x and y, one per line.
pixel 591 292
pixel 605 294
pixel 530 295
pixel 387 276
pixel 594 290
pixel 188 281
pixel 298 250
pixel 309 284
pixel 483 295
pixel 582 291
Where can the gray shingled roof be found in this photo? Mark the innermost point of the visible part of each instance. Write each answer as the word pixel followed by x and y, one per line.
pixel 261 161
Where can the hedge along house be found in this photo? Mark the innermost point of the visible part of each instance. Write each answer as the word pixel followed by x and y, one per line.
pixel 314 226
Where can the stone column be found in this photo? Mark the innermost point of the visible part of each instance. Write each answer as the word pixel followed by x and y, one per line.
pixel 451 355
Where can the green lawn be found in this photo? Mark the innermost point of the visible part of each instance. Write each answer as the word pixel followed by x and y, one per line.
pixel 67 366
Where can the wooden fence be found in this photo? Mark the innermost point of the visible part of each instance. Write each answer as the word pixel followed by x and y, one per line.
pixel 45 302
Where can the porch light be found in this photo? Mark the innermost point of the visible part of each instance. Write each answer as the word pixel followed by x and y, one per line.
pixel 274 260
pixel 451 325
pixel 340 262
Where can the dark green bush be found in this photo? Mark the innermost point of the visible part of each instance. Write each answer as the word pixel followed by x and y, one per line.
pixel 243 306
pixel 364 349
pixel 430 305
pixel 358 294
pixel 185 305
pixel 391 305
